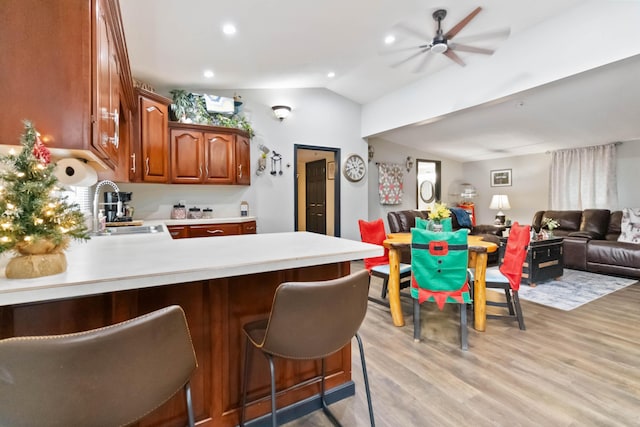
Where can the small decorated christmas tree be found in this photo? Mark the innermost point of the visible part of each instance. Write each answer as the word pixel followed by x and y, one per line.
pixel 35 218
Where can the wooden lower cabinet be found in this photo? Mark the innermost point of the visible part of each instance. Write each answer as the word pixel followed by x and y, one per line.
pixel 211 230
pixel 216 310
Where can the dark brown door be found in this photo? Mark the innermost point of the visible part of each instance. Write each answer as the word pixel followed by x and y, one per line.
pixel 316 196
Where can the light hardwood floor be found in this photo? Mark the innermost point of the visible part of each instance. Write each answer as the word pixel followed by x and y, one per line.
pixel 575 368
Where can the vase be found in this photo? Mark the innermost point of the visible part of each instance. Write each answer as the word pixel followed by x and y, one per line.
pixel 38 259
pixel 436 227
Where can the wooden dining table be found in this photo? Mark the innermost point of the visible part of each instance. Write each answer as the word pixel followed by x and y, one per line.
pixel 478 250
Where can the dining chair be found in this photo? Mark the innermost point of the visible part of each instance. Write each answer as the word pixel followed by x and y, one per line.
pixel 439 274
pixel 373 232
pixel 508 274
pixel 309 321
pixel 110 376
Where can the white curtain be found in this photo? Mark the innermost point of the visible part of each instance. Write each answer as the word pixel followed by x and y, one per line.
pixel 584 178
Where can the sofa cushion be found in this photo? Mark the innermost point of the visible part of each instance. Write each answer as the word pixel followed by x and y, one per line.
pixel 595 222
pixel 404 221
pixel 568 220
pixel 614 253
pixel 614 225
pixel 630 226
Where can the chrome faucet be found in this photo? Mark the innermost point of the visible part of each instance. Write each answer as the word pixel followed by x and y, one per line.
pixel 96 226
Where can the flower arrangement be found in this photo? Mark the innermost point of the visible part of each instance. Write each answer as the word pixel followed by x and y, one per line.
pixel 550 223
pixel 439 212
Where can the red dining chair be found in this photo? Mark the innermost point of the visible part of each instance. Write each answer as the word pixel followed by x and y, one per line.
pixel 373 232
pixel 509 274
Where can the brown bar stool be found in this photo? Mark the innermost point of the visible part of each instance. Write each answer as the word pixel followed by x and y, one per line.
pixel 310 320
pixel 111 376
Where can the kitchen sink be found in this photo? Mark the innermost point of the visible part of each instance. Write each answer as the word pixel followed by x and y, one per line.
pixel 135 229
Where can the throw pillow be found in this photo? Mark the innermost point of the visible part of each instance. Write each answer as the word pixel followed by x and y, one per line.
pixel 630 226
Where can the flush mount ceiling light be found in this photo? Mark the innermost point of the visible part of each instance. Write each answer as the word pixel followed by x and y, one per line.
pixel 281 111
pixel 208 74
pixel 229 29
pixel 331 74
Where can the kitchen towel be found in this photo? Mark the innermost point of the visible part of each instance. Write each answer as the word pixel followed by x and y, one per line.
pixel 390 177
pixel 75 172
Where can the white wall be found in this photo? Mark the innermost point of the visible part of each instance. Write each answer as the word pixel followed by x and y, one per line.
pixel 319 117
pixel 388 152
pixel 530 177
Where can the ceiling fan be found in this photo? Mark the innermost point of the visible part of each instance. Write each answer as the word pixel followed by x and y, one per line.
pixel 442 44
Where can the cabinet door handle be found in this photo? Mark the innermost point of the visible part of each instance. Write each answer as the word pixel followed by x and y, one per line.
pixel 250 228
pixel 218 231
pixel 200 171
pixel 239 171
pixel 115 139
pixel 206 170
pixel 147 165
pixel 133 163
pixel 175 233
pixel 116 134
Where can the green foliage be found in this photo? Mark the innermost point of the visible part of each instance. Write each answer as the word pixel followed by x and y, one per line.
pixel 31 205
pixel 191 106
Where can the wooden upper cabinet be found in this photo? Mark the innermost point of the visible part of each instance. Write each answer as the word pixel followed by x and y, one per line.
pixel 150 155
pixel 62 67
pixel 219 158
pixel 209 155
pixel 187 156
pixel 243 160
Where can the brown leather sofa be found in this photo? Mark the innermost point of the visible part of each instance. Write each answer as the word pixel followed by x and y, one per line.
pixel 404 221
pixel 591 241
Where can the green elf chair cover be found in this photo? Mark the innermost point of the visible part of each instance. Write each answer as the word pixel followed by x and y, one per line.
pixel 439 273
pixel 427 224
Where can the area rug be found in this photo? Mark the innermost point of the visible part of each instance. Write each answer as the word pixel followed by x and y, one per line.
pixel 573 289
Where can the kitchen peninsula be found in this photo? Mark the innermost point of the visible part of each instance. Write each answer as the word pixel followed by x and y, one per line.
pixel 221 283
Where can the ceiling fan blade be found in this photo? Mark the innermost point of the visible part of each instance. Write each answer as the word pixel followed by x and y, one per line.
pixel 402 49
pixel 460 25
pixel 497 34
pixel 409 58
pixel 454 57
pixel 465 48
pixel 423 63
pixel 413 32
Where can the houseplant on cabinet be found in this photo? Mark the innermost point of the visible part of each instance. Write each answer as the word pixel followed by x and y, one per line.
pixel 37 222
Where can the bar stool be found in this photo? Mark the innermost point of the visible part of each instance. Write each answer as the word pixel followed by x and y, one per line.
pixel 110 376
pixel 310 320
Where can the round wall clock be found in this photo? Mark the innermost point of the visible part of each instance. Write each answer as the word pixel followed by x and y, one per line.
pixel 354 168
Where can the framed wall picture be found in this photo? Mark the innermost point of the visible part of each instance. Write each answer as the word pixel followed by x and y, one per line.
pixel 331 170
pixel 501 178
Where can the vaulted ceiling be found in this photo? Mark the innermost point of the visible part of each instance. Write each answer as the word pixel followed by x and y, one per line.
pixel 566 97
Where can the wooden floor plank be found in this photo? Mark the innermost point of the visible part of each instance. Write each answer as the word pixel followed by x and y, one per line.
pixel 575 368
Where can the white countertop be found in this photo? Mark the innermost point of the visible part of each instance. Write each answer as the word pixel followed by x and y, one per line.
pixel 116 263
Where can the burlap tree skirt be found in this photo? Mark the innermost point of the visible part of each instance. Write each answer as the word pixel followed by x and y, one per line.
pixel 29 266
pixel 38 259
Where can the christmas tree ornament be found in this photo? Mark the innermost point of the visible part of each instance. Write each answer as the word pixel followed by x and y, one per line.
pixel 37 222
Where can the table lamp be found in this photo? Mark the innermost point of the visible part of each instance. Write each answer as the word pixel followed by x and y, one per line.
pixel 500 202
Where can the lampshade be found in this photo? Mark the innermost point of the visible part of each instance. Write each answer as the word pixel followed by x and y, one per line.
pixel 500 202
pixel 281 111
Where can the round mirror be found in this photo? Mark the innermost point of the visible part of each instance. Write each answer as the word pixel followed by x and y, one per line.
pixel 427 191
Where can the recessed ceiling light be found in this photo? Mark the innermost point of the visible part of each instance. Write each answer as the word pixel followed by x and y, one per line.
pixel 208 74
pixel 331 74
pixel 229 29
pixel 390 39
